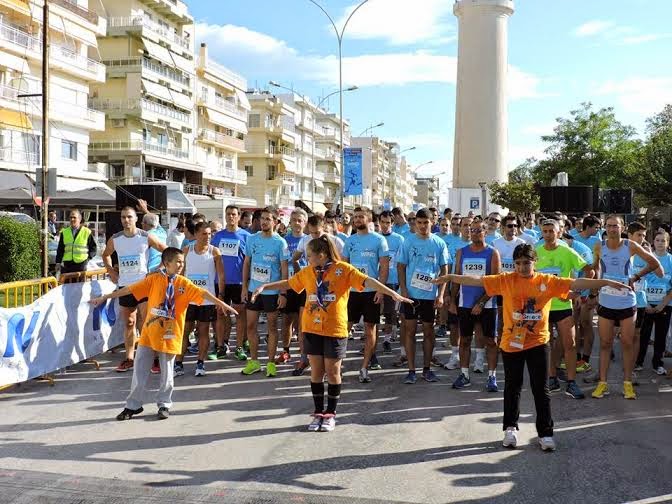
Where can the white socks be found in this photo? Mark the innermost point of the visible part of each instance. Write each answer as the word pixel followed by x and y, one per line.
pixel 465 371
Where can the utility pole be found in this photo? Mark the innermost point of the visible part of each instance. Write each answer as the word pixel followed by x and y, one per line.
pixel 45 139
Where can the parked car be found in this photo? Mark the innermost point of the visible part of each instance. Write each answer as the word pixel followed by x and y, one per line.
pixel 17 216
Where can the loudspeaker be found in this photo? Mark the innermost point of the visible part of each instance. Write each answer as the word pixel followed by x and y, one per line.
pixel 566 199
pixel 547 195
pixel 601 200
pixel 620 201
pixel 156 196
pixel 112 223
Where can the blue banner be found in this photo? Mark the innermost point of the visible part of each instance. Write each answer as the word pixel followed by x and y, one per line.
pixel 352 160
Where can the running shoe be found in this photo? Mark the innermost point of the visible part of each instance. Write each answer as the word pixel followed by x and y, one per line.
pixel 638 368
pixel 583 367
pixel 553 384
pixel 127 414
pixel 364 376
pixel 328 422
pixel 491 386
pixel 178 369
pixel 601 390
pixel 441 332
pixel 628 390
pixel 271 370
pixel 283 358
pixel 660 371
pixel 430 376
pixel 401 361
pixel 510 438
pixel 547 443
pixel 562 365
pixel 246 345
pixel 124 366
pixel 574 391
pixel 252 366
pixel 200 369
pixel 240 354
pixel 461 382
pixel 375 366
pixel 561 375
pixel 361 351
pixel 193 349
pixel 387 347
pixel 300 368
pixel 479 364
pixel 436 362
pixel 635 378
pixel 222 351
pixel 453 362
pixel 592 378
pixel 411 378
pixel 163 413
pixel 315 423
pixel 156 369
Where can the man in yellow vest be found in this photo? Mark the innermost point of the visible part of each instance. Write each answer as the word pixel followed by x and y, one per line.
pixel 76 245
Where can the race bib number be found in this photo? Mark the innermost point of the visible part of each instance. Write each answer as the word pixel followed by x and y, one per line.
pixel 229 248
pixel 475 267
pixel 422 281
pixel 550 271
pixel 129 264
pixel 612 291
pixel 518 338
pixel 261 274
pixel 638 286
pixel 508 266
pixel 363 269
pixel 159 312
pixel 200 280
pixel 655 294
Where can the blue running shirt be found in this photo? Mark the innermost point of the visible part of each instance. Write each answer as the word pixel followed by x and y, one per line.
pixel 232 245
pixel 394 244
pixel 423 259
pixel 292 244
pixel 266 256
pixel 364 253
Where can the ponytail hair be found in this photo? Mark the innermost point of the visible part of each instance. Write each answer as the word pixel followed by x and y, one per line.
pixel 324 245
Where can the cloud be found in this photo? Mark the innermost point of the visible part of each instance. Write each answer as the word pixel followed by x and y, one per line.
pixel 609 31
pixel 400 22
pixel 250 52
pixel 641 39
pixel 592 28
pixel 642 96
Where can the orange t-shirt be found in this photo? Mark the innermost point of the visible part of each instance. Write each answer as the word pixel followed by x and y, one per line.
pixel 154 334
pixel 527 303
pixel 330 319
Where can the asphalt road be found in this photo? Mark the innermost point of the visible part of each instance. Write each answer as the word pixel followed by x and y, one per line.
pixel 239 439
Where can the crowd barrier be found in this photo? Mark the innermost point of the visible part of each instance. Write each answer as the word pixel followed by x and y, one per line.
pixel 24 292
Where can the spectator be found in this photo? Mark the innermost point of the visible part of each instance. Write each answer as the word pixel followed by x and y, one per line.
pixel 76 245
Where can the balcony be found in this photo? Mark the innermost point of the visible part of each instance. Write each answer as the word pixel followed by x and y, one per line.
pixel 273 152
pixel 22 157
pixel 221 140
pixel 139 145
pixel 140 23
pixel 224 174
pixel 75 8
pixel 220 104
pixel 332 177
pixel 125 106
pixel 223 73
pixel 122 66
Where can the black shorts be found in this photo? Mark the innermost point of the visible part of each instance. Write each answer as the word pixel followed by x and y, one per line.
pixel 390 308
pixel 452 319
pixel 361 304
pixel 640 317
pixel 129 301
pixel 326 346
pixel 500 301
pixel 266 303
pixel 201 313
pixel 233 294
pixel 422 309
pixel 558 315
pixel 614 314
pixel 294 301
pixel 487 318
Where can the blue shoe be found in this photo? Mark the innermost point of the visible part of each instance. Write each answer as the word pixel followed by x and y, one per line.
pixel 410 378
pixel 492 384
pixel 574 391
pixel 553 384
pixel 461 382
pixel 441 332
pixel 430 376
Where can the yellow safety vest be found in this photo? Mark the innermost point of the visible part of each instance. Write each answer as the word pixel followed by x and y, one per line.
pixel 76 249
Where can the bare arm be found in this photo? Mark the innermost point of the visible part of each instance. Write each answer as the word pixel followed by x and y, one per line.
pixel 442 288
pixel 401 272
pixel 579 284
pixel 652 263
pixel 296 257
pixel 281 285
pixel 155 243
pixel 495 263
pixel 217 302
pixel 107 261
pixel 114 294
pixel 469 280
pixel 384 269
pixel 372 283
pixel 246 274
pixel 219 267
pixel 455 288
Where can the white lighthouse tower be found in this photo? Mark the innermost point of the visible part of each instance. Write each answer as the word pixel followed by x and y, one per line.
pixel 481 137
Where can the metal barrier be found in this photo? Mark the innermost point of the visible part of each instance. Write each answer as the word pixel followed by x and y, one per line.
pixel 24 292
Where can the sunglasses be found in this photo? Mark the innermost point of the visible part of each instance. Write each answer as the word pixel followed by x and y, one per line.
pixel 479 230
pixel 494 220
pixel 511 226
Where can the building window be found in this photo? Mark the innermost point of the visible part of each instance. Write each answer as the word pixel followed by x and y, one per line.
pixel 271 173
pixel 253 121
pixel 69 150
pixel 162 138
pixel 249 170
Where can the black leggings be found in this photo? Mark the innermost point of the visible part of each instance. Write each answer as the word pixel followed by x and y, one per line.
pixel 662 321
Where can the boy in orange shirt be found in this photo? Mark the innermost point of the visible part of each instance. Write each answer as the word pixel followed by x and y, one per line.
pixel 169 296
pixel 527 299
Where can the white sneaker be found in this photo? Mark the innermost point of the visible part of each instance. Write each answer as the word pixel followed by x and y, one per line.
pixel 479 364
pixel 315 424
pixel 328 423
pixel 364 376
pixel 660 371
pixel 510 438
pixel 453 362
pixel 200 370
pixel 547 443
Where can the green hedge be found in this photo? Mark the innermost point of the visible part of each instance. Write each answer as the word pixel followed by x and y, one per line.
pixel 20 251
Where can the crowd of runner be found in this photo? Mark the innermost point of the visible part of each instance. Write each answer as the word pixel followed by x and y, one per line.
pixel 507 286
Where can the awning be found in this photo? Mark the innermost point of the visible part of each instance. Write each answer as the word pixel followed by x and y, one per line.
pixel 318 183
pixel 17 5
pixel 178 202
pixel 226 122
pixel 242 99
pixel 71 184
pixel 157 51
pixel 79 32
pixel 319 208
pixel 16 120
pixel 183 63
pixel 15 63
pixel 16 180
pixel 173 163
pixel 181 100
pixel 157 90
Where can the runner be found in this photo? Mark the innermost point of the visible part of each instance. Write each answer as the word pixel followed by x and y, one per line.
pixel 169 294
pixel 637 233
pixel 327 282
pixel 612 256
pixel 494 221
pixel 369 253
pixel 424 256
pixel 290 319
pixel 476 306
pixel 553 259
pixel 527 302
pixel 131 246
pixel 203 266
pixel 434 212
pixel 390 310
pixel 266 261
pixel 331 226
pixel 232 244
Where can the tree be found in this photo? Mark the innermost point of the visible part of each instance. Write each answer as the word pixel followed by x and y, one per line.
pixel 520 193
pixel 654 182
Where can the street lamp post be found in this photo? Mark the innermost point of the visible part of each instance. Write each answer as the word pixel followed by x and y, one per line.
pixel 484 195
pixel 373 126
pixel 339 37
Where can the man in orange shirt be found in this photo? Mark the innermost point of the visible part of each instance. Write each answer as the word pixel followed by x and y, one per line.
pixel 527 299
pixel 169 295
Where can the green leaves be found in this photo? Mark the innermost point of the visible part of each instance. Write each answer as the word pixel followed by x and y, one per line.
pixel 20 245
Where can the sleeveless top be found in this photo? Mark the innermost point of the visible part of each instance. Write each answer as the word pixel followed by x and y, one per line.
pixel 616 265
pixel 132 254
pixel 201 270
pixel 476 264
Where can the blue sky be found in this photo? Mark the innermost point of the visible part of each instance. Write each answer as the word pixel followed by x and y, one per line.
pixel 402 55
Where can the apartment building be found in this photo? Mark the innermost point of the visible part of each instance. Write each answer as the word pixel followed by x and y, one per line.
pixel 427 191
pixel 74 68
pixel 375 171
pixel 329 141
pixel 148 100
pixel 221 127
pixel 407 188
pixel 269 159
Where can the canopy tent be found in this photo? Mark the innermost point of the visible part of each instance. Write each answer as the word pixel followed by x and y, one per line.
pixel 89 198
